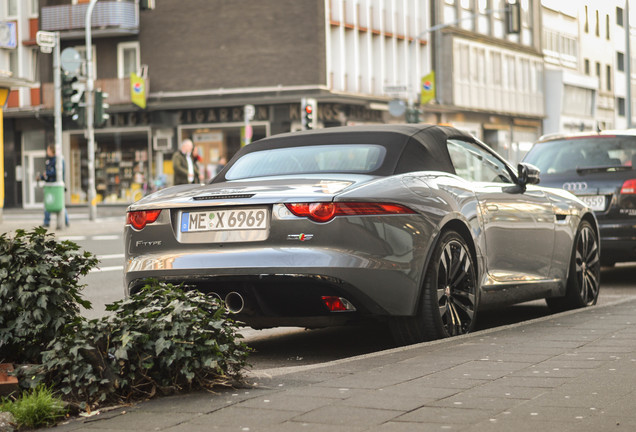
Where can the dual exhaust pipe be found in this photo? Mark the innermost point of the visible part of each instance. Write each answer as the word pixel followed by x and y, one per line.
pixel 234 302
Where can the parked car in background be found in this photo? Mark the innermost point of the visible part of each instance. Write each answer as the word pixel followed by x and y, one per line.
pixel 599 168
pixel 420 226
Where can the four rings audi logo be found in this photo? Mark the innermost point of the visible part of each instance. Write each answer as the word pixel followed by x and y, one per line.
pixel 575 186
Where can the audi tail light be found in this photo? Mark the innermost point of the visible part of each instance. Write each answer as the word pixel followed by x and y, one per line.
pixel 629 187
pixel 139 219
pixel 326 211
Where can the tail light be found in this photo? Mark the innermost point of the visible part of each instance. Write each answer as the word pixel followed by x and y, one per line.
pixel 337 304
pixel 629 187
pixel 326 211
pixel 139 219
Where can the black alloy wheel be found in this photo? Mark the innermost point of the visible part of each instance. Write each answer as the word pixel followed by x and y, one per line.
pixel 584 279
pixel 449 298
pixel 455 290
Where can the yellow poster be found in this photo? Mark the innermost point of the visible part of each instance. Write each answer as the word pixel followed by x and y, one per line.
pixel 427 88
pixel 137 90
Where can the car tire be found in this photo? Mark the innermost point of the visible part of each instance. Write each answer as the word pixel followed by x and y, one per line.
pixel 448 304
pixel 584 276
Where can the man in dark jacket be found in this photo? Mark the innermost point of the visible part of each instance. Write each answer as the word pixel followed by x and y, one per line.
pixel 185 169
pixel 50 176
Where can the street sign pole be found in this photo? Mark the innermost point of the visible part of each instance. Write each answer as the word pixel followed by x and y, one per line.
pixel 57 112
pixel 50 42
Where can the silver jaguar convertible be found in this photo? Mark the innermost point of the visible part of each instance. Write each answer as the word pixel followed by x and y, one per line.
pixel 421 226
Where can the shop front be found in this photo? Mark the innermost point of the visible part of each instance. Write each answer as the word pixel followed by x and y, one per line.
pixel 133 153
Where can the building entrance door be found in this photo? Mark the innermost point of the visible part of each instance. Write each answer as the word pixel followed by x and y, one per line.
pixel 32 192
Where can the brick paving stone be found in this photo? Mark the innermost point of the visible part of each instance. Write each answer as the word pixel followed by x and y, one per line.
pixel 347 415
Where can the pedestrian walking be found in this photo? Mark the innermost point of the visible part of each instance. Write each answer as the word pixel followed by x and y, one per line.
pixel 50 176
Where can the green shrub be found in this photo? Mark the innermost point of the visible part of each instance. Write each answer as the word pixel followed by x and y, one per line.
pixel 35 408
pixel 163 339
pixel 39 291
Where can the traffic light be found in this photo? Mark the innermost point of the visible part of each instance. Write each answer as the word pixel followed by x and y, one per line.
pixel 68 105
pixel 309 113
pixel 100 108
pixel 79 116
pixel 513 18
pixel 412 115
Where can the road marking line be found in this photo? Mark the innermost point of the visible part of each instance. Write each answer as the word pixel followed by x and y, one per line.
pixel 73 238
pixel 105 269
pixel 106 237
pixel 111 256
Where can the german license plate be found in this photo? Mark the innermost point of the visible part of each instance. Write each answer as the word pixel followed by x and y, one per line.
pixel 595 202
pixel 225 220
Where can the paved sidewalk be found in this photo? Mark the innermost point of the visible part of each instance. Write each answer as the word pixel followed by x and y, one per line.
pixel 109 219
pixel 574 371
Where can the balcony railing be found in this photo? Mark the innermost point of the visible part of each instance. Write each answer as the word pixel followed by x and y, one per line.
pixel 109 18
pixel 118 90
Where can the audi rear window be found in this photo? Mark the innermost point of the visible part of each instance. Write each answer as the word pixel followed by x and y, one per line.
pixel 565 155
pixel 345 158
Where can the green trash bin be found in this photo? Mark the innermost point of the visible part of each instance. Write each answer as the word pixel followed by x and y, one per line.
pixel 54 197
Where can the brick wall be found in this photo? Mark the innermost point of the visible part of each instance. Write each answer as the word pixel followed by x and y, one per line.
pixel 204 44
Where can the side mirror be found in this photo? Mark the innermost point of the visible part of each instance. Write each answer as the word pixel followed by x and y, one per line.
pixel 527 174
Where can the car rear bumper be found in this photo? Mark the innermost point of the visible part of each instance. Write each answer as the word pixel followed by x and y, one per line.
pixel 281 283
pixel 618 240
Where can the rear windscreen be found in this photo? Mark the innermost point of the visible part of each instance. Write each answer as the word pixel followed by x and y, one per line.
pixel 334 158
pixel 560 156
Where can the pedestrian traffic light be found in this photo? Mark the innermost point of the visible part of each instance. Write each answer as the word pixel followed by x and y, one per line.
pixel 513 18
pixel 309 113
pixel 68 105
pixel 101 116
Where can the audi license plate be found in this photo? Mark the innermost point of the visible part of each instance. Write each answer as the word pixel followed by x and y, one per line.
pixel 255 218
pixel 595 202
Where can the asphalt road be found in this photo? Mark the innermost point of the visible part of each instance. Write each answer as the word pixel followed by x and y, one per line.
pixel 285 347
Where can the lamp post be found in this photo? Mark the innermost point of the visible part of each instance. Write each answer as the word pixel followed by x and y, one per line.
pixel 4 96
pixel 628 66
pixel 90 114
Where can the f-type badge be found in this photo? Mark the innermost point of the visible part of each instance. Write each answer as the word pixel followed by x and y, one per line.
pixel 300 237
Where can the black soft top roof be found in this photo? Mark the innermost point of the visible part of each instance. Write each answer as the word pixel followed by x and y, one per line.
pixel 410 147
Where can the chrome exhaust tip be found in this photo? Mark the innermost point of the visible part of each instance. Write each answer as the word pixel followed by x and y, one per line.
pixel 234 302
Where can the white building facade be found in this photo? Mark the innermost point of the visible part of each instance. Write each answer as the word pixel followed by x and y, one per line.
pixel 570 93
pixel 490 81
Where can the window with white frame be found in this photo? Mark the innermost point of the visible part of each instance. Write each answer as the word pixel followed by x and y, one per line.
pixel 13 63
pixel 12 8
pixel 34 8
pixel 127 59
